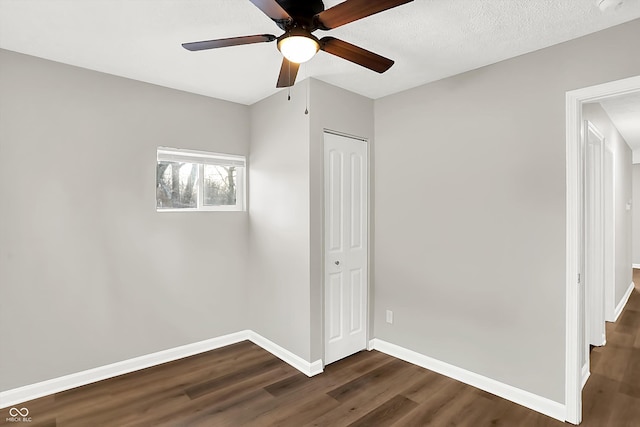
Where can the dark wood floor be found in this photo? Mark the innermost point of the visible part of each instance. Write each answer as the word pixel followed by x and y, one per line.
pixel 243 385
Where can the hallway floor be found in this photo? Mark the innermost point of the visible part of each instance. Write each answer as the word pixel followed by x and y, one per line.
pixel 612 393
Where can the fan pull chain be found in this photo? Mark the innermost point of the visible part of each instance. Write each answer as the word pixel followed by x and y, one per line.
pixel 306 106
pixel 289 76
pixel 308 73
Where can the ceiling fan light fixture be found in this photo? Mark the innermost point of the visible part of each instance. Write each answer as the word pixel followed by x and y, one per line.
pixel 299 19
pixel 298 45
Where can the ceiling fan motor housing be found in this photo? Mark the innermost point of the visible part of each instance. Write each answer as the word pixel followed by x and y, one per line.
pixel 302 12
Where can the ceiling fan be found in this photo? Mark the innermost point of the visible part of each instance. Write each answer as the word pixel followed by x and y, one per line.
pixel 300 18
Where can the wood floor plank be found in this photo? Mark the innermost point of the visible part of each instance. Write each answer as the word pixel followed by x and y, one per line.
pixel 614 365
pixel 422 390
pixel 630 384
pixel 472 410
pixel 387 413
pixel 625 412
pixel 223 413
pixel 105 415
pixel 231 378
pixel 429 411
pixel 525 417
pixel 601 391
pixel 377 393
pixel 636 341
pixel 634 303
pixel 356 386
pixel 222 406
pixel 620 339
pixel 44 423
pixel 286 414
pixel 334 375
pixel 629 321
pixel 289 384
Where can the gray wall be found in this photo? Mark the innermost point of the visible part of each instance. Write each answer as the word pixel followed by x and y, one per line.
pixel 622 179
pixel 90 273
pixel 470 210
pixel 279 301
pixel 286 209
pixel 635 226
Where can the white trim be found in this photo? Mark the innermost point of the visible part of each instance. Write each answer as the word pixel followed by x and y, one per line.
pixel 623 301
pixel 529 400
pixel 594 283
pixel 585 374
pixel 308 368
pixel 635 266
pixel 573 377
pixel 167 154
pixel 346 135
pixel 55 385
pixel 574 101
pixel 594 276
pixel 610 235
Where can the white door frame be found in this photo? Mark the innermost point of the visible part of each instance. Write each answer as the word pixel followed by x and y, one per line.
pixel 574 324
pixel 609 218
pixel 594 237
pixel 369 241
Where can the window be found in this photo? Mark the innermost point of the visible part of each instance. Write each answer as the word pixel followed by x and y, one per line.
pixel 188 180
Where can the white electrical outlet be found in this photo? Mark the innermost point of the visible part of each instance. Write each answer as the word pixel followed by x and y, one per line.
pixel 389 316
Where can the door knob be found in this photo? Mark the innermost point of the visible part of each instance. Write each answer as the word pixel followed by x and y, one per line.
pixel 337 262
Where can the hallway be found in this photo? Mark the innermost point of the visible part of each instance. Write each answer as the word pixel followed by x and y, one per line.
pixel 612 393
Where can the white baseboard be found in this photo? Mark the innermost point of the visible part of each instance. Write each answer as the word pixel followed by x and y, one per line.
pixel 33 391
pixel 585 374
pixel 635 266
pixel 623 302
pixel 529 400
pixel 308 368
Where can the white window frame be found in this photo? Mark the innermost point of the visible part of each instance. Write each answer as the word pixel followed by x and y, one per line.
pixel 202 158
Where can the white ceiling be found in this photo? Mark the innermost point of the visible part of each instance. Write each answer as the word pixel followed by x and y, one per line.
pixel 428 39
pixel 624 112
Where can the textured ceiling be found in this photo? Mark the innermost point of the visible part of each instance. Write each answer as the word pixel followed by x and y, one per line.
pixel 428 39
pixel 624 112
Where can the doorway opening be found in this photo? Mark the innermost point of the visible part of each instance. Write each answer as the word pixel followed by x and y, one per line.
pixel 584 239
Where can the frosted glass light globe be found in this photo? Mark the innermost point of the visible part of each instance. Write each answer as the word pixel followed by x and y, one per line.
pixel 298 49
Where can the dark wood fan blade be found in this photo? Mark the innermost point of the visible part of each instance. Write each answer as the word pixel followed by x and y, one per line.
pixel 272 9
pixel 352 10
pixel 232 41
pixel 355 54
pixel 288 73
